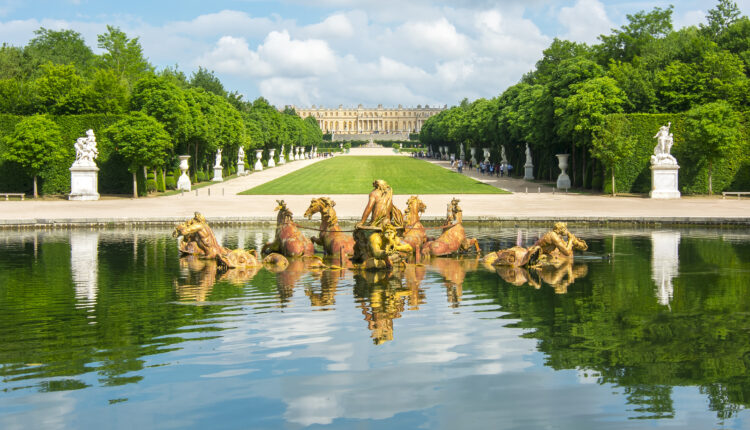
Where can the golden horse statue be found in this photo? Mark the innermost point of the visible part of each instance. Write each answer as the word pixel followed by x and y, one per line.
pixel 414 231
pixel 289 241
pixel 453 239
pixel 331 238
pixel 196 230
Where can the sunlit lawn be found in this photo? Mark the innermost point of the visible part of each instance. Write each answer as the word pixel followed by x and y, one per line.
pixel 354 175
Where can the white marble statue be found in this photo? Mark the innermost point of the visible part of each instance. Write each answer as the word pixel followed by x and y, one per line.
pixel 86 151
pixel 528 155
pixel 218 158
pixel 241 155
pixel 503 158
pixel 664 141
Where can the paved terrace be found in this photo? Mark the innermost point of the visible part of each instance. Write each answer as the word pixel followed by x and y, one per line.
pixel 224 204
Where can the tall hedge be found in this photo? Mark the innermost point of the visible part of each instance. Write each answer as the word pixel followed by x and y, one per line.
pixel 113 173
pixel 732 173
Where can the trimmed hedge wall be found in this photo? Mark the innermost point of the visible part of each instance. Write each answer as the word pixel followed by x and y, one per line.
pixel 634 175
pixel 114 177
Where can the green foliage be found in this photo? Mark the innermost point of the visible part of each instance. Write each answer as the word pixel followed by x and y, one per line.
pixel 203 78
pixel 150 185
pixel 59 90
pixel 35 145
pixel 171 183
pixel 124 56
pixel 637 132
pixel 60 47
pixel 141 140
pixel 712 134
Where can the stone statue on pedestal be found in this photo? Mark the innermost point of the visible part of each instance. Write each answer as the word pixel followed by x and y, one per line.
pixel 664 168
pixel 664 142
pixel 86 151
pixel 241 155
pixel 84 176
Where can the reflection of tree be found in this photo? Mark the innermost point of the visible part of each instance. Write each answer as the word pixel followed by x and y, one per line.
pixel 382 298
pixel 613 325
pixel 44 335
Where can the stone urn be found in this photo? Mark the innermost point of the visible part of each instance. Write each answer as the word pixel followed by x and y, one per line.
pixel 258 164
pixel 473 152
pixel 271 153
pixel 563 181
pixel 183 183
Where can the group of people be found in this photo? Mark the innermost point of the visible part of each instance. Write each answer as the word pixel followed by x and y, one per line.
pixel 497 169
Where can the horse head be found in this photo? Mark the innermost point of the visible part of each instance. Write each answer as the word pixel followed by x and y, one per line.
pixel 324 206
pixel 414 208
pixel 285 215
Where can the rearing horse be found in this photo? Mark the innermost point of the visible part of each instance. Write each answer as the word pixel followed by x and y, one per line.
pixel 331 238
pixel 414 232
pixel 289 241
pixel 453 238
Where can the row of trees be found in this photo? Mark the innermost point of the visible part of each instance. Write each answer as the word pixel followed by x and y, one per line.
pixel 643 67
pixel 166 113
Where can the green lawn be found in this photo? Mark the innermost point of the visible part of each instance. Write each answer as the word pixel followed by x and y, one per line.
pixel 354 175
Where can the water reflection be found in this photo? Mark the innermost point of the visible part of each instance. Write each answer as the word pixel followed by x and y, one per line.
pixel 665 262
pixel 84 252
pixel 441 336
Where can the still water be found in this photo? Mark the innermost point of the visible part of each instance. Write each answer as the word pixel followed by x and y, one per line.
pixel 110 329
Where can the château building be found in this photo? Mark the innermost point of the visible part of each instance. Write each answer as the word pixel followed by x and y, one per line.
pixel 363 123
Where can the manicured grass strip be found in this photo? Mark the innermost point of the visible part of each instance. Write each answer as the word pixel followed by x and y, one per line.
pixel 354 175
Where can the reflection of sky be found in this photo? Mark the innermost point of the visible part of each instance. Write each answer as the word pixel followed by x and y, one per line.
pixel 274 367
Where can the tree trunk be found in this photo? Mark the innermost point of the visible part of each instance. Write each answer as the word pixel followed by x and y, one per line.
pixel 164 179
pixel 36 195
pixel 614 194
pixel 135 187
pixel 573 163
pixel 195 163
pixel 710 179
pixel 585 173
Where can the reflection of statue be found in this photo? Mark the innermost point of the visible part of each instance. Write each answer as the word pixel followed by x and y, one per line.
pixel 240 155
pixel 218 158
pixel 453 272
pixel 664 141
pixel 86 151
pixel 331 238
pixel 453 238
pixel 198 231
pixel 380 207
pixel 382 299
pixel 289 241
pixel 549 249
pixel 559 276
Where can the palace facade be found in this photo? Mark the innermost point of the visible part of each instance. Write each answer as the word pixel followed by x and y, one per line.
pixel 363 121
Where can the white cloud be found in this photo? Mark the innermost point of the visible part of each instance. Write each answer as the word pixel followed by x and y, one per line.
pixel 438 37
pixel 335 26
pixel 585 21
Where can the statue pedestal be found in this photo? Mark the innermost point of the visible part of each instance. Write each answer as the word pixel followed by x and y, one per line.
pixel 84 183
pixel 664 182
pixel 528 172
pixel 241 169
pixel 217 174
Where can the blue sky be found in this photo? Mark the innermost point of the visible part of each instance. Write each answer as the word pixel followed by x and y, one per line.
pixel 331 52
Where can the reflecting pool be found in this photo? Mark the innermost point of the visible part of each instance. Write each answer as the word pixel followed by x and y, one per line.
pixel 111 329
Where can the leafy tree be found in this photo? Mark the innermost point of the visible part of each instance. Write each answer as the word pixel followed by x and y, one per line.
pixel 59 90
pixel 16 97
pixel 60 47
pixel 206 79
pixel 582 114
pixel 711 133
pixel 123 55
pixel 15 63
pixel 107 92
pixel 35 145
pixel 721 17
pixel 642 28
pixel 142 142
pixel 637 83
pixel 610 148
pixel 161 99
